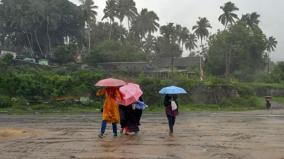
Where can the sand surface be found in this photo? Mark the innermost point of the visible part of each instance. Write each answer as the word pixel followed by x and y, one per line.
pixel 242 135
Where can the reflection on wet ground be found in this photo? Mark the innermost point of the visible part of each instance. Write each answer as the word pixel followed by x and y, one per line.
pixel 246 135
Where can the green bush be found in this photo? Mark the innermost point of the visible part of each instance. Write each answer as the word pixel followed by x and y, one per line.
pixel 249 102
pixel 64 54
pixel 5 102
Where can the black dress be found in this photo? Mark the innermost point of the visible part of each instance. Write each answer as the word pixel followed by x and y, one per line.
pixel 132 122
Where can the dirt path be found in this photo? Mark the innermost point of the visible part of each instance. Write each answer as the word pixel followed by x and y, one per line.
pixel 244 135
pixel 275 105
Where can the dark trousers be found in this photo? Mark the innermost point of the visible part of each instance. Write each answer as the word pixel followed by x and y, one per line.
pixel 171 122
pixel 123 120
pixel 104 125
pixel 138 113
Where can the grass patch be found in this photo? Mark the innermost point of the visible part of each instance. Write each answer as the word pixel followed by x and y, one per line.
pixel 278 99
pixel 237 104
pixel 266 85
pixel 45 109
pixel 255 103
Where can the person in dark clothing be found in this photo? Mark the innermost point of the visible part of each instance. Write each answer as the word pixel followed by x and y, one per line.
pixel 138 112
pixel 123 118
pixel 171 111
pixel 130 116
pixel 131 124
pixel 268 104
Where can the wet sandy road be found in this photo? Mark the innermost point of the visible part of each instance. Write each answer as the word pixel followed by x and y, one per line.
pixel 246 135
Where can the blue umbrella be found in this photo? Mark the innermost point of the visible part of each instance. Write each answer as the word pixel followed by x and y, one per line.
pixel 172 90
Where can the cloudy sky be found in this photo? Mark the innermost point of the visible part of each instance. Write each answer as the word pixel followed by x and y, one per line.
pixel 186 13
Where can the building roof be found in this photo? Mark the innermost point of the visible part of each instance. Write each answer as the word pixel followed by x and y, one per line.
pixel 178 62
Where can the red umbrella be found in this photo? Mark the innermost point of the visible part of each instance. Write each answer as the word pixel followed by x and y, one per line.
pixel 130 93
pixel 110 82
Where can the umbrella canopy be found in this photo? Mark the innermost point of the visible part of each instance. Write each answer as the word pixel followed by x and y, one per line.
pixel 172 90
pixel 110 82
pixel 130 93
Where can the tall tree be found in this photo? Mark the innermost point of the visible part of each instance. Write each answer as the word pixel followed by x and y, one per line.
pixel 127 8
pixel 39 24
pixel 201 28
pixel 88 8
pixel 110 12
pixel 146 22
pixel 271 44
pixel 252 20
pixel 168 44
pixel 101 32
pixel 247 52
pixel 183 34
pixel 149 45
pixel 228 17
pixel 169 32
pixel 191 42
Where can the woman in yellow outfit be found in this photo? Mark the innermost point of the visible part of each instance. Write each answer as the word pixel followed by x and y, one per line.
pixel 110 108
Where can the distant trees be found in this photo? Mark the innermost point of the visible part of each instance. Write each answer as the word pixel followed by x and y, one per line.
pixel 39 26
pixel 228 17
pixel 201 28
pixel 191 42
pixel 246 51
pixel 89 14
pixel 47 28
pixel 145 23
pixel 251 20
pixel 126 8
pixel 271 44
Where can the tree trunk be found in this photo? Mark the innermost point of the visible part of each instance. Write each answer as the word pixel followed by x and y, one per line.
pixel 30 44
pixel 89 40
pixel 48 37
pixel 228 62
pixel 268 63
pixel 200 64
pixel 38 44
pixel 172 65
pixel 128 25
pixel 226 65
pixel 110 32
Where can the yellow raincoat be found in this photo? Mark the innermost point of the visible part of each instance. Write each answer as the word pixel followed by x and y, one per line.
pixel 110 107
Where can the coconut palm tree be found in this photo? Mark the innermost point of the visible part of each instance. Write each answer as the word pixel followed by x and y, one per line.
pixel 191 42
pixel 201 31
pixel 126 8
pixel 271 44
pixel 201 28
pixel 183 34
pixel 169 32
pixel 228 17
pixel 251 20
pixel 88 8
pixel 146 22
pixel 149 45
pixel 110 12
pixel 150 20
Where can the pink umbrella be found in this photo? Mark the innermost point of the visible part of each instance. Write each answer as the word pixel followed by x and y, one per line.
pixel 110 82
pixel 130 93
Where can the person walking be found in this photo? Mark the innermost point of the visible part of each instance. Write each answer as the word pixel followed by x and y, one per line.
pixel 123 118
pixel 110 109
pixel 171 109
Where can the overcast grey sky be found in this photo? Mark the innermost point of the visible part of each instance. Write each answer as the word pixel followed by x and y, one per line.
pixel 186 13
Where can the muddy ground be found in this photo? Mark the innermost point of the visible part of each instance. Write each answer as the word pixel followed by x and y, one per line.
pixel 242 135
